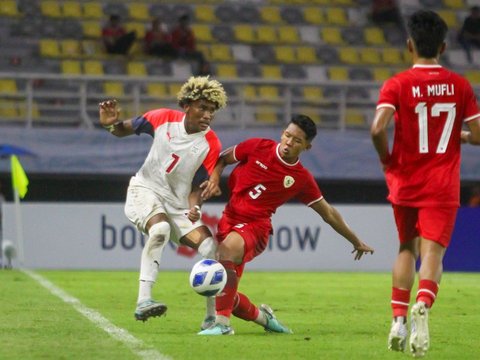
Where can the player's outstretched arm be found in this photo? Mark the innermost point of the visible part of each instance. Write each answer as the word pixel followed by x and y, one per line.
pixel 211 187
pixel 109 116
pixel 333 218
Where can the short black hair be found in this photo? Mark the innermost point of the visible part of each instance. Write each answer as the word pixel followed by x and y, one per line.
pixel 306 124
pixel 428 31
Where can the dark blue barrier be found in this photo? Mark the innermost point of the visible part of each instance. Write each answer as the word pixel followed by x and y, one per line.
pixel 464 250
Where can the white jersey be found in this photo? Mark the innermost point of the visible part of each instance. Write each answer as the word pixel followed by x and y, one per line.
pixel 175 157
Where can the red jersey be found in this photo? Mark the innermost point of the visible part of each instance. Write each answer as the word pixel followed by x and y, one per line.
pixel 431 104
pixel 262 181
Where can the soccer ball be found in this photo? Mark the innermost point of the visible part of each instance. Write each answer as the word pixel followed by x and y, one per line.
pixel 208 277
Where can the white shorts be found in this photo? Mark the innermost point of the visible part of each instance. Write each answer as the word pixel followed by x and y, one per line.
pixel 143 203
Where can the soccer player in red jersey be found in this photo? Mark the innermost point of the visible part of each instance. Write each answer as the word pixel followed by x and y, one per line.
pixel 430 105
pixel 268 174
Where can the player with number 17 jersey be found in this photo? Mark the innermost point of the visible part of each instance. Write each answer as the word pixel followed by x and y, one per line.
pixel 262 182
pixel 431 105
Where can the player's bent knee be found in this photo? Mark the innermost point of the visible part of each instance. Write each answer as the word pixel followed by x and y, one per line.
pixel 208 248
pixel 159 233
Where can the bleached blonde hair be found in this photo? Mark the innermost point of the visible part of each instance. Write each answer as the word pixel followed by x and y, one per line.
pixel 202 87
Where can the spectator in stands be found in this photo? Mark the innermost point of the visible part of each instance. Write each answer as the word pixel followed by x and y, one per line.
pixel 183 41
pixel 469 35
pixel 158 41
pixel 115 37
pixel 386 12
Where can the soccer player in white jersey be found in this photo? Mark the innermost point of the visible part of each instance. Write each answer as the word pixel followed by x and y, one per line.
pixel 164 197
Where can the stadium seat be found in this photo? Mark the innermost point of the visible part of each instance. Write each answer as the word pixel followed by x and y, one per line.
pixel 9 8
pixel 288 34
pixel 226 71
pixel 71 67
pixel 203 33
pixel 250 92
pixel 374 36
pixel 91 29
pixel 271 14
pixel 72 9
pixel 248 13
pixel 381 74
pixel 174 88
pixel 331 35
pixel 263 53
pixel 138 11
pixel 455 4
pixel 369 56
pixel 313 93
pixel 271 71
pixel 51 8
pixel 392 56
pixel 266 34
pixel 8 87
pixel 353 35
pixel 205 14
pixel 450 17
pixel 49 48
pixel 473 76
pixel 336 16
pixel 93 67
pixel 285 54
pixel 93 49
pixel 293 71
pixel 292 15
pixel 226 12
pixel 248 70
pixel 223 33
pixel 136 68
pixel 306 54
pixel 348 55
pixel 266 114
pixel 92 10
pixel 313 15
pixel 337 73
pixel 70 48
pixel 157 90
pixel 113 88
pixel 244 33
pixel 354 118
pixel 360 73
pixel 8 110
pixel 221 53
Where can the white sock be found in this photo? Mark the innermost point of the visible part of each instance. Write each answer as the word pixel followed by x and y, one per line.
pixel 144 291
pixel 211 306
pixel 261 319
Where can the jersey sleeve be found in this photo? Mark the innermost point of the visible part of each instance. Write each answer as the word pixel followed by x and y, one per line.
pixel 310 192
pixel 388 96
pixel 151 120
pixel 242 151
pixel 471 105
pixel 215 146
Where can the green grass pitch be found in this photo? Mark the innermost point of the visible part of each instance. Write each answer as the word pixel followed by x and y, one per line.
pixel 333 316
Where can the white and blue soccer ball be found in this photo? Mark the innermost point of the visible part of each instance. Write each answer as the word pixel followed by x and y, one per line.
pixel 208 277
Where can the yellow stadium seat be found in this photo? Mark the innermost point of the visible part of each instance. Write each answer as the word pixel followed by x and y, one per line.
pixel 266 34
pixel 392 56
pixel 227 70
pixel 313 15
pixel 354 118
pixel 455 4
pixel 336 16
pixel 174 88
pixel 206 14
pixel 288 34
pixel 70 48
pixel 450 17
pixel 250 92
pixel 338 73
pixel 8 8
pixel 93 10
pixel 138 11
pixel 271 14
pixel 266 114
pixel 285 54
pixel 370 56
pixel 93 49
pixel 306 54
pixel 203 33
pixel 473 76
pixel 51 8
pixel 157 90
pixel 244 33
pixel 136 68
pixel 113 88
pixel 71 67
pixel 381 74
pixel 332 35
pixel 72 9
pixel 49 48
pixel 312 93
pixel 91 29
pixel 348 55
pixel 271 72
pixel 221 53
pixel 374 36
pixel 268 92
pixel 8 109
pixel 93 67
pixel 8 86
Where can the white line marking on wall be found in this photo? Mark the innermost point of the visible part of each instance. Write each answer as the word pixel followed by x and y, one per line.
pixel 137 346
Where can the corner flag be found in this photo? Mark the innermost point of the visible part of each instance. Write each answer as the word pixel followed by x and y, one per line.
pixel 19 178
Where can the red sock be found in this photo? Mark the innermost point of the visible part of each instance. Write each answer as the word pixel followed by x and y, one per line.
pixel 224 302
pixel 400 301
pixel 427 292
pixel 244 309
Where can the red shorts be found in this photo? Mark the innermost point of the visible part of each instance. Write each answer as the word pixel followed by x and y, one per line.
pixel 430 223
pixel 255 235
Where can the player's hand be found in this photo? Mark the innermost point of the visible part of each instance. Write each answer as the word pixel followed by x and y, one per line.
pixel 109 112
pixel 210 188
pixel 194 214
pixel 361 249
pixel 465 137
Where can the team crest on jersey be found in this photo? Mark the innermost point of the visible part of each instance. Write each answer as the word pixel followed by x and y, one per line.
pixel 195 149
pixel 288 181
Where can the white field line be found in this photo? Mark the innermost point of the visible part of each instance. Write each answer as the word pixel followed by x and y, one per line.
pixel 137 346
